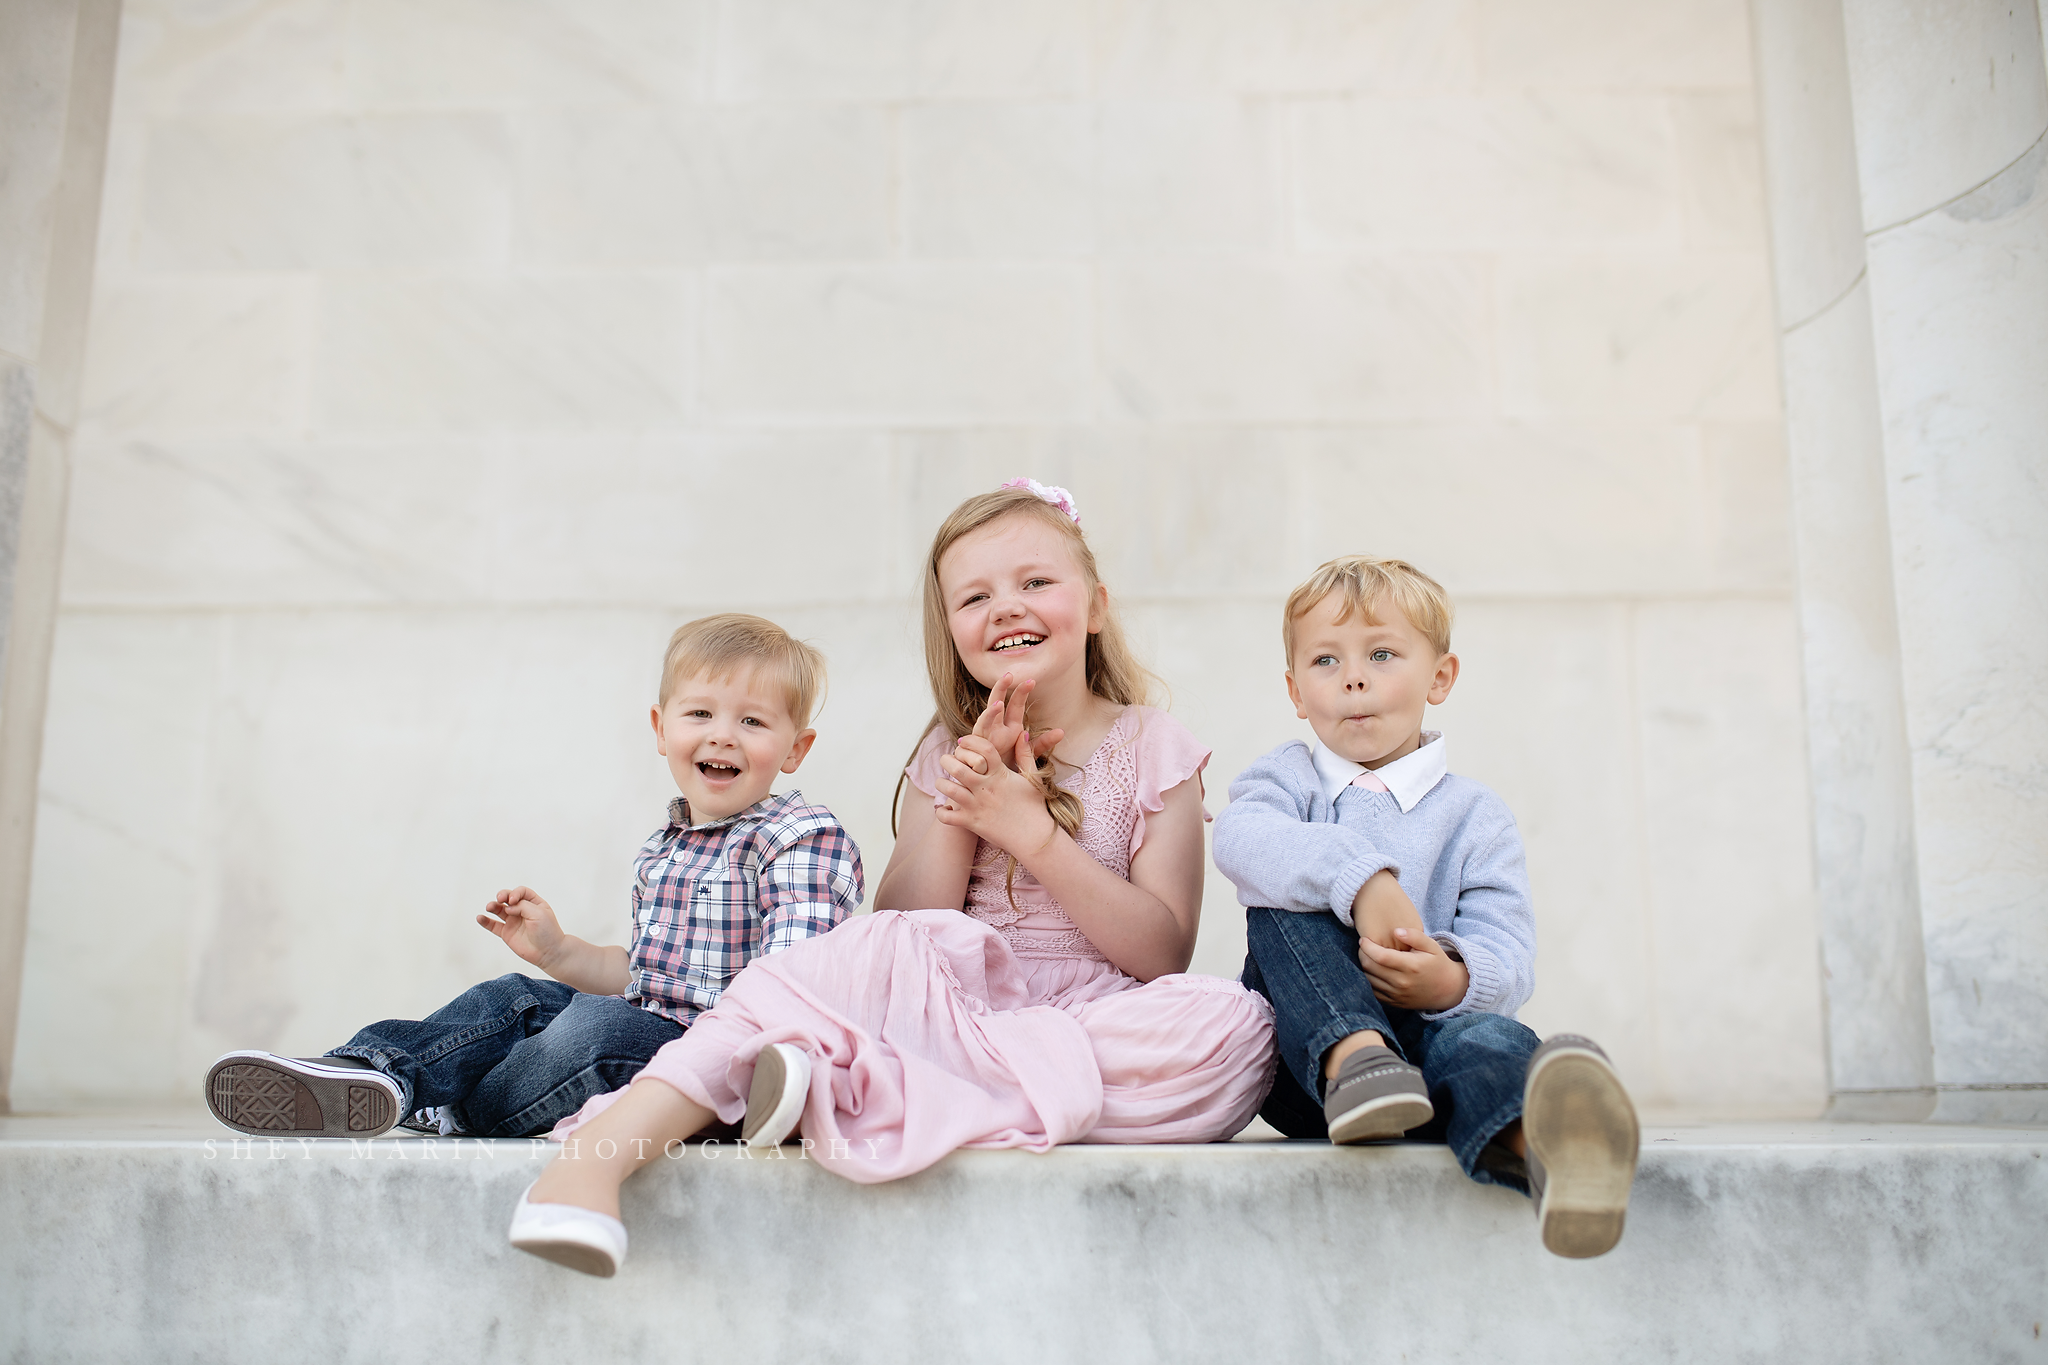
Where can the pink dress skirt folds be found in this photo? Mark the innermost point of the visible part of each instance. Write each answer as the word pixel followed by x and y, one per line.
pixel 931 1030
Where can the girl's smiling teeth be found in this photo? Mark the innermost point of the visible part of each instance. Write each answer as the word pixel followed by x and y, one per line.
pixel 1022 639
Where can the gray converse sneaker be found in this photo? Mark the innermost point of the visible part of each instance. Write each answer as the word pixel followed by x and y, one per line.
pixel 434 1121
pixel 1375 1095
pixel 426 1121
pixel 1582 1136
pixel 273 1096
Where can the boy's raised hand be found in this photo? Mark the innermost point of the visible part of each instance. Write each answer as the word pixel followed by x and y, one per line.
pixel 526 923
pixel 1417 975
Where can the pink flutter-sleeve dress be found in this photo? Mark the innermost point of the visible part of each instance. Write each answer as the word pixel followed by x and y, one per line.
pixel 931 1030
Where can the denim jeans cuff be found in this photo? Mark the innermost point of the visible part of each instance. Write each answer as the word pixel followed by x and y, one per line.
pixel 1343 1026
pixel 564 1101
pixel 1468 1151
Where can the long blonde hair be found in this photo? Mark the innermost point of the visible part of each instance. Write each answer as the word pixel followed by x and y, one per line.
pixel 1114 673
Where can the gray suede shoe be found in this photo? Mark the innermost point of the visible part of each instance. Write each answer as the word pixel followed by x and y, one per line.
pixel 273 1096
pixel 1375 1095
pixel 1582 1136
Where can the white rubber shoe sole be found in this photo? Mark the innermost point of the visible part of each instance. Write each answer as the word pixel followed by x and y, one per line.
pixel 1581 1130
pixel 1375 1095
pixel 775 1101
pixel 581 1239
pixel 273 1096
pixel 1388 1116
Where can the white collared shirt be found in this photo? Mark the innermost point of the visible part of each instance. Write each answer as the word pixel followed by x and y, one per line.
pixel 1408 779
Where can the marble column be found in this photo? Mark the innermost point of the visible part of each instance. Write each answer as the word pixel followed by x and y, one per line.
pixel 56 91
pixel 1908 150
pixel 1880 1056
pixel 1951 112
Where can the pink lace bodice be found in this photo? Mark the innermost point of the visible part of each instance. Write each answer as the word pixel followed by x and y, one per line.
pixel 1145 754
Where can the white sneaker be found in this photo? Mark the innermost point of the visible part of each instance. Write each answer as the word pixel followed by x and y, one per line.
pixel 579 1238
pixel 775 1101
pixel 273 1096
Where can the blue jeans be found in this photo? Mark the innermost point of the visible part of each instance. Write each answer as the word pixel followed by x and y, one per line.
pixel 514 1056
pixel 1473 1065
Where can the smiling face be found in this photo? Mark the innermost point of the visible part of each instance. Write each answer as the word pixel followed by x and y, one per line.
pixel 1018 602
pixel 1361 686
pixel 725 739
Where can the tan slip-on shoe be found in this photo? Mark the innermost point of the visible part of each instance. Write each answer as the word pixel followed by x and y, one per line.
pixel 1582 1136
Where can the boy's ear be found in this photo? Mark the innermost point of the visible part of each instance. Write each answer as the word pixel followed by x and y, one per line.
pixel 804 740
pixel 660 740
pixel 1445 679
pixel 1294 695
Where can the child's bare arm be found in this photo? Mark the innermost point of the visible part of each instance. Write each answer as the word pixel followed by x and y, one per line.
pixel 929 866
pixel 528 926
pixel 1380 908
pixel 1146 925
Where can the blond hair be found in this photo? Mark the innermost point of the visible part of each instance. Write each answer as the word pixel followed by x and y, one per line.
pixel 1113 670
pixel 1366 581
pixel 718 647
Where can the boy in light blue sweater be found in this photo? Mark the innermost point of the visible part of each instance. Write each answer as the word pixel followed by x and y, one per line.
pixel 1388 919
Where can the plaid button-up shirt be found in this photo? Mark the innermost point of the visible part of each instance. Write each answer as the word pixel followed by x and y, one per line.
pixel 708 899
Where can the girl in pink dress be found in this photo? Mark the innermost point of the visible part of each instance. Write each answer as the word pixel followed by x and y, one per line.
pixel 1060 833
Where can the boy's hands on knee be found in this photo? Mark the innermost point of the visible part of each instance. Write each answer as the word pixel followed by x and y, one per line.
pixel 1381 907
pixel 1406 966
pixel 1416 975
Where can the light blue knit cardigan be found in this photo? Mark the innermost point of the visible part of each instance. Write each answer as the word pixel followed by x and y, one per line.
pixel 1457 855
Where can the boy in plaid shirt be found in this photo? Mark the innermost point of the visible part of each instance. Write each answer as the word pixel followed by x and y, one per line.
pixel 735 873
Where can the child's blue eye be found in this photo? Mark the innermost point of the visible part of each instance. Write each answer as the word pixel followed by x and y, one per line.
pixel 1326 659
pixel 1380 656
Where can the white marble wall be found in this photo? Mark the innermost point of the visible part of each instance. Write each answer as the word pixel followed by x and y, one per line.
pixel 446 355
pixel 56 94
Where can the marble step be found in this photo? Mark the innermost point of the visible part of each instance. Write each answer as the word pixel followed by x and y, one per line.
pixel 165 1240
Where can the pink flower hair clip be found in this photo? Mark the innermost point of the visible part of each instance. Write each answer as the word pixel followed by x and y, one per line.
pixel 1054 494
